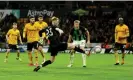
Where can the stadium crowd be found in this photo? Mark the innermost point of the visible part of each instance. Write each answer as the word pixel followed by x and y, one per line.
pixel 101 28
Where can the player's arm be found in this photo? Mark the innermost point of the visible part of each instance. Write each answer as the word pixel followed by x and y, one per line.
pixel 70 36
pixel 88 36
pixel 41 32
pixel 69 39
pixel 59 30
pixel 127 31
pixel 20 38
pixel 24 32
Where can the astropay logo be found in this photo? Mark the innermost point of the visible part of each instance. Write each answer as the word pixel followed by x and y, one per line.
pixel 43 12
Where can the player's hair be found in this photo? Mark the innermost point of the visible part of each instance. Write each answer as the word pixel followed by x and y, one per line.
pixel 76 21
pixel 40 16
pixel 54 18
pixel 31 17
pixel 14 23
pixel 120 18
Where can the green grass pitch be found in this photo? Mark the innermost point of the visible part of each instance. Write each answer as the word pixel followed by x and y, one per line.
pixel 99 67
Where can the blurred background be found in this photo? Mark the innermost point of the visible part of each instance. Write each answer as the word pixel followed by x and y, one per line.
pixel 99 17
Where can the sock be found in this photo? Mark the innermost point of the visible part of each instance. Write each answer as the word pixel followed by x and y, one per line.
pixel 84 59
pixel 71 59
pixel 36 56
pixel 117 57
pixel 42 53
pixel 30 57
pixel 79 50
pixel 7 53
pixel 18 54
pixel 123 56
pixel 45 63
pixel 6 56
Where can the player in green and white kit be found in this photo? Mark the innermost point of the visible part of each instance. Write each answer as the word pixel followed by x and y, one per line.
pixel 79 36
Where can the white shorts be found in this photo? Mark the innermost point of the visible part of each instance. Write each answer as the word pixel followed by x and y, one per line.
pixel 79 43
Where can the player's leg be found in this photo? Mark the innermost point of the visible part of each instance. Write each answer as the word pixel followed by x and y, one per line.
pixel 29 49
pixel 116 47
pixel 35 44
pixel 72 52
pixel 78 49
pixel 40 48
pixel 123 54
pixel 82 46
pixel 7 54
pixel 48 62
pixel 18 52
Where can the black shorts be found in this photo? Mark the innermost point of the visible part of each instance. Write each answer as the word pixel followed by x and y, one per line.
pixel 10 46
pixel 39 44
pixel 32 45
pixel 54 49
pixel 120 46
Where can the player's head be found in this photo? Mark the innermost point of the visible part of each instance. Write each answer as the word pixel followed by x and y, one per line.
pixel 76 24
pixel 14 25
pixel 55 21
pixel 40 18
pixel 121 21
pixel 32 19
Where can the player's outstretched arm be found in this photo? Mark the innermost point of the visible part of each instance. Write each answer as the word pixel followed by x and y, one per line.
pixel 59 30
pixel 41 31
pixel 69 39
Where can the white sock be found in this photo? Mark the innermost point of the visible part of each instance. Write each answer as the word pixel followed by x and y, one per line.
pixel 71 59
pixel 84 59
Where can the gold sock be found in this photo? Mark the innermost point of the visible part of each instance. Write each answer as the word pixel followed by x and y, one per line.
pixel 30 57
pixel 123 56
pixel 36 56
pixel 43 55
pixel 117 57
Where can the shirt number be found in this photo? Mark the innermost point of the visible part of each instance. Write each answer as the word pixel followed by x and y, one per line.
pixel 49 32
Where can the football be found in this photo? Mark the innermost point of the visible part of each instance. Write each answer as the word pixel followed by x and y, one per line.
pixel 98 49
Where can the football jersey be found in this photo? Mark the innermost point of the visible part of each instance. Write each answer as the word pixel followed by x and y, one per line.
pixel 78 34
pixel 31 32
pixel 41 26
pixel 13 36
pixel 121 31
pixel 52 34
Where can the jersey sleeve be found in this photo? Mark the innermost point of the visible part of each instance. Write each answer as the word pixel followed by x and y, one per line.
pixel 46 25
pixel 25 30
pixel 42 31
pixel 127 31
pixel 18 33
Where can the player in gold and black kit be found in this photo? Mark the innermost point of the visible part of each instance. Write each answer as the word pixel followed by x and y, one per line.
pixel 12 37
pixel 41 24
pixel 31 33
pixel 121 34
